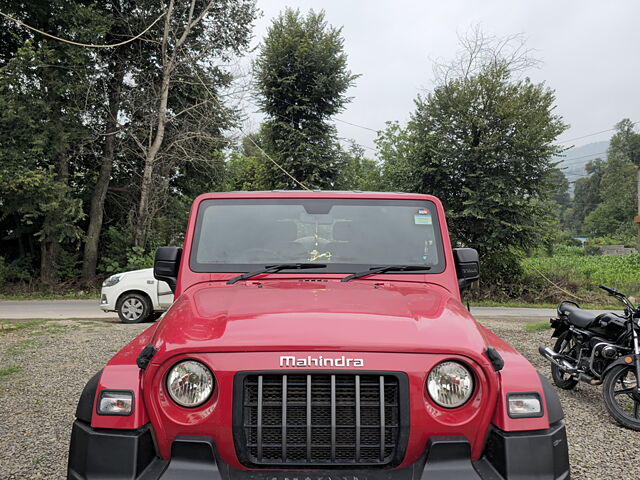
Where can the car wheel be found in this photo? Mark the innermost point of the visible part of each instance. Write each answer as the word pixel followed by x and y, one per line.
pixel 133 308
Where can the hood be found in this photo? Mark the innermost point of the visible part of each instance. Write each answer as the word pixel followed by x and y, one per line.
pixel 318 315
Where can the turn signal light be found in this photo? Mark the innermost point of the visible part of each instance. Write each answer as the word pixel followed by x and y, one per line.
pixel 115 402
pixel 524 405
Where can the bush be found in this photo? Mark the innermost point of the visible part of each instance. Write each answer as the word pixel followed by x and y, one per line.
pixel 16 271
pixel 564 250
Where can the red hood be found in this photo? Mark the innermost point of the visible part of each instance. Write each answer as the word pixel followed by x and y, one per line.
pixel 318 315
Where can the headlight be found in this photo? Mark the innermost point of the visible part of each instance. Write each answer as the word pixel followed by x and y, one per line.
pixel 115 402
pixel 524 405
pixel 112 280
pixel 190 383
pixel 450 384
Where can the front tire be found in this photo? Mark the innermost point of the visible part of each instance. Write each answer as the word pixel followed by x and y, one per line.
pixel 621 396
pixel 133 308
pixel 566 346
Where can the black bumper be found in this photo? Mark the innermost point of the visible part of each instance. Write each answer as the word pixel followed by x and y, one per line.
pixel 130 454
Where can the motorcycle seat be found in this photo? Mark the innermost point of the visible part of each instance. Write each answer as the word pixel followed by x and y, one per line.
pixel 577 316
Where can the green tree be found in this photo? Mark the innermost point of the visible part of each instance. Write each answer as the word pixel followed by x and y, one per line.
pixel 247 168
pixel 618 188
pixel 359 172
pixel 44 129
pixel 586 196
pixel 482 141
pixel 302 78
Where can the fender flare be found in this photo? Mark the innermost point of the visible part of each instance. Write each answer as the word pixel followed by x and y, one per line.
pixel 555 413
pixel 621 361
pixel 84 411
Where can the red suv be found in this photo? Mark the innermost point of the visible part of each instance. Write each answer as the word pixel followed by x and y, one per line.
pixel 318 335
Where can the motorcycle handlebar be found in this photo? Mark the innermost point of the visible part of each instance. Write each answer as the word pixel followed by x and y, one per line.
pixel 610 291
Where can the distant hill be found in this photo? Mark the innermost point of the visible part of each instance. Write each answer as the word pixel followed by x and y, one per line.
pixel 573 161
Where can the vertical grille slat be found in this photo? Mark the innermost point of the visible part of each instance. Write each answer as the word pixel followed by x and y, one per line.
pixel 382 422
pixel 284 418
pixel 333 418
pixel 320 418
pixel 309 403
pixel 259 418
pixel 357 418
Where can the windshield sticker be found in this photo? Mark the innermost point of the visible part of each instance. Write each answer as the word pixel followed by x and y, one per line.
pixel 422 219
pixel 316 255
pixel 423 211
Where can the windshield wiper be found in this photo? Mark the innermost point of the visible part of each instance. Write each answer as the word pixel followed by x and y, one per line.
pixel 276 268
pixel 386 268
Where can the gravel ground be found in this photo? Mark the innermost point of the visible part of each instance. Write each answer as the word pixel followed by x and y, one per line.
pixel 44 366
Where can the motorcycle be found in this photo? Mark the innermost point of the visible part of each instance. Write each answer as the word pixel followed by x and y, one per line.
pixel 599 350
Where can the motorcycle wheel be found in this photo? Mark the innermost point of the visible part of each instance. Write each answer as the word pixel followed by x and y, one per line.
pixel 619 390
pixel 560 377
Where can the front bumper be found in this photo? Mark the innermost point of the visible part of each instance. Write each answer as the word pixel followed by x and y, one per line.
pixel 130 454
pixel 105 302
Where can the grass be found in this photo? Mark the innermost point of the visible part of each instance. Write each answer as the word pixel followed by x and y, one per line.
pixel 9 370
pixel 589 271
pixel 21 347
pixel 537 327
pixel 14 327
pixel 515 304
pixel 45 295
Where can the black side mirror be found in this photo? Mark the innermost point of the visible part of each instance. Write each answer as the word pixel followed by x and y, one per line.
pixel 167 264
pixel 467 266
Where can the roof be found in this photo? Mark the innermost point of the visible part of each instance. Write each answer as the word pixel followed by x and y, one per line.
pixel 315 194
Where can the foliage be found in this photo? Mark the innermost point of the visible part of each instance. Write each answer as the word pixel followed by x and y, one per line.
pixel 589 271
pixel 618 190
pixel 586 196
pixel 359 172
pixel 74 120
pixel 606 201
pixel 482 143
pixel 302 77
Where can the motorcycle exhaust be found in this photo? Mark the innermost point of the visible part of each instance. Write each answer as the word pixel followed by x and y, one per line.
pixel 557 360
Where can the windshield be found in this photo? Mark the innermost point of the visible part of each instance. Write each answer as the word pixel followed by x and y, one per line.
pixel 347 235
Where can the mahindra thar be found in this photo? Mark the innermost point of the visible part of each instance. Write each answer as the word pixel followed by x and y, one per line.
pixel 317 336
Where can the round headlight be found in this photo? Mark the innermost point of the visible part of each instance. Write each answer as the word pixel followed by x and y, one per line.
pixel 450 384
pixel 190 383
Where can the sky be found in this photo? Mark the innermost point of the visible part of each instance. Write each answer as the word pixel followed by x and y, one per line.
pixel 588 52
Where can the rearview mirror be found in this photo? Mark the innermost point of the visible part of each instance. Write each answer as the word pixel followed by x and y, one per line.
pixel 467 266
pixel 167 265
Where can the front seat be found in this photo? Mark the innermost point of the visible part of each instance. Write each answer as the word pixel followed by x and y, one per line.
pixel 576 316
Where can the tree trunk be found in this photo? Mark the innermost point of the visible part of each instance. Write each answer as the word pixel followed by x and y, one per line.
pixel 47 260
pixel 96 212
pixel 142 220
pixel 49 248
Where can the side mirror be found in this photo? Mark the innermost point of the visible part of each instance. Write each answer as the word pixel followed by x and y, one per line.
pixel 467 266
pixel 167 264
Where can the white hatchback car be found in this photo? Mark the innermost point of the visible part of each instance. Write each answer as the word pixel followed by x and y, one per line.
pixel 136 295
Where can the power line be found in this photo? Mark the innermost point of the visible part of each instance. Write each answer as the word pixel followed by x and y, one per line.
pixel 356 125
pixel 571 162
pixel 88 45
pixel 215 98
pixel 291 120
pixel 585 136
pixel 274 162
pixel 591 134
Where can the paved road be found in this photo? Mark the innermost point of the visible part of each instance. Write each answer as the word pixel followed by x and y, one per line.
pixel 27 309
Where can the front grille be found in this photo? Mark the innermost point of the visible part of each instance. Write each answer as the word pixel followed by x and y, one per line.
pixel 319 418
